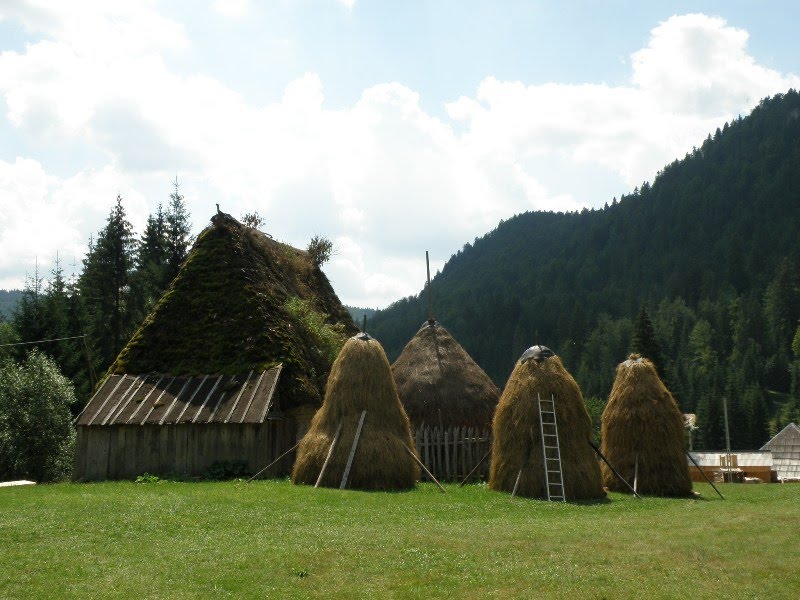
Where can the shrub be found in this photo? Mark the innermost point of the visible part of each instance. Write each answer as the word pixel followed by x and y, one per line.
pixel 320 250
pixel 37 440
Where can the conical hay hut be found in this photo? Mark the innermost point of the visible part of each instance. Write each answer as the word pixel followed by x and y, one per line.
pixel 360 379
pixel 440 384
pixel 642 418
pixel 517 438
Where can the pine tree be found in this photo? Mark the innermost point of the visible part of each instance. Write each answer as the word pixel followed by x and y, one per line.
pixel 105 284
pixel 150 279
pixel 758 425
pixel 644 341
pixel 177 231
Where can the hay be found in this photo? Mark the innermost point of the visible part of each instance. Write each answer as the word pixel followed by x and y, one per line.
pixel 440 384
pixel 642 417
pixel 360 379
pixel 517 440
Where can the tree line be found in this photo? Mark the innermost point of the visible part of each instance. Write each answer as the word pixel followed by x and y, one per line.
pixel 80 323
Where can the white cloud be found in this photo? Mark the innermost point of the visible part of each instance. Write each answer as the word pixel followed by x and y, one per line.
pixel 348 4
pixel 382 177
pixel 234 9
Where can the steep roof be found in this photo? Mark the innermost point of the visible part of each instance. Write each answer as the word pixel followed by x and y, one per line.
pixel 438 381
pixel 229 311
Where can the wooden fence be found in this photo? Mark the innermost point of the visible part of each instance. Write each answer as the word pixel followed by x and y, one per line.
pixel 450 453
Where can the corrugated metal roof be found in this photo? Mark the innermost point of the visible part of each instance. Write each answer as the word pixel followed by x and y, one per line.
pixel 743 459
pixel 155 399
pixel 785 447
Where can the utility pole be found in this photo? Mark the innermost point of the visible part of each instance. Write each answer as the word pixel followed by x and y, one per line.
pixel 727 438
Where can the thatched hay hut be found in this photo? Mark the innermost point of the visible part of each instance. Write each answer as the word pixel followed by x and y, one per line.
pixel 642 418
pixel 360 379
pixel 440 384
pixel 517 439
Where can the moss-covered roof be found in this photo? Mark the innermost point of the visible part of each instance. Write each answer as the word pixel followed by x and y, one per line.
pixel 229 311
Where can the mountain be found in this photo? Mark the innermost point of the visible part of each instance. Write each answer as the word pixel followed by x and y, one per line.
pixel 711 249
pixel 8 300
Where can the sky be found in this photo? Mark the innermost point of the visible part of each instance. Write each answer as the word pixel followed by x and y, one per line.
pixel 389 127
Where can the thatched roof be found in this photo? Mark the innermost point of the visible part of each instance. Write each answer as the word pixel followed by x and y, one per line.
pixel 517 438
pixel 360 379
pixel 440 384
pixel 642 418
pixel 228 312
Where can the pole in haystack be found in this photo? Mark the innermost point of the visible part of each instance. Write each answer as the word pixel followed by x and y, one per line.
pixel 353 450
pixel 273 462
pixel 636 474
pixel 613 470
pixel 364 324
pixel 330 453
pixel 430 296
pixel 424 468
pixel 475 468
pixel 703 473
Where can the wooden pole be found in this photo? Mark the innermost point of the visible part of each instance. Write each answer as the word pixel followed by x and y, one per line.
pixel 636 474
pixel 727 439
pixel 353 451
pixel 364 326
pixel 475 468
pixel 330 453
pixel 613 470
pixel 516 483
pixel 424 468
pixel 703 473
pixel 273 462
pixel 430 297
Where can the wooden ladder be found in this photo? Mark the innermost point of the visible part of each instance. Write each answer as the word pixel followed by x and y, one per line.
pixel 551 453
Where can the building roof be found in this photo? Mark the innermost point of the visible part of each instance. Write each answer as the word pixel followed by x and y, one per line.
pixel 762 458
pixel 155 399
pixel 785 447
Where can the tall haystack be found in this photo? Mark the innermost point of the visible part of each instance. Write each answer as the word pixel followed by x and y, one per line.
pixel 440 384
pixel 517 438
pixel 642 418
pixel 360 380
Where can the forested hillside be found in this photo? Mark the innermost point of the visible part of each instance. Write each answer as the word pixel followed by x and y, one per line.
pixel 710 251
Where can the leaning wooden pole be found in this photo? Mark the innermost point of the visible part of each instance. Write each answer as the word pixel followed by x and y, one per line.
pixel 273 462
pixel 353 450
pixel 703 473
pixel 613 470
pixel 330 453
pixel 424 468
pixel 430 296
pixel 516 484
pixel 475 468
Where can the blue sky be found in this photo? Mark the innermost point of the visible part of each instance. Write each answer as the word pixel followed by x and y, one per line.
pixel 390 127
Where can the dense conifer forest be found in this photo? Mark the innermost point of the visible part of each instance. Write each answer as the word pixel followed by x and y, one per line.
pixel 700 270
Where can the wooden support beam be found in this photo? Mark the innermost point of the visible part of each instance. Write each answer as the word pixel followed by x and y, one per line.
pixel 273 462
pixel 475 468
pixel 330 453
pixel 424 468
pixel 353 451
pixel 703 473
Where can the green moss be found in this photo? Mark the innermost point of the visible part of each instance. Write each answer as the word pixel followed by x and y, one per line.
pixel 234 307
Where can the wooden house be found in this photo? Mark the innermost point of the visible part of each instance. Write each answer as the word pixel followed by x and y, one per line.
pixel 181 426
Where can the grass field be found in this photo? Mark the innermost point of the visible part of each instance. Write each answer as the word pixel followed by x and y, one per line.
pixel 273 539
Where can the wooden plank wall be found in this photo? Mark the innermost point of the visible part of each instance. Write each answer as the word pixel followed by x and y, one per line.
pixel 452 452
pixel 184 450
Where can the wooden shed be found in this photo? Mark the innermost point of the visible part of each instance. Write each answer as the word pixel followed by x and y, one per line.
pixel 180 426
pixel 785 448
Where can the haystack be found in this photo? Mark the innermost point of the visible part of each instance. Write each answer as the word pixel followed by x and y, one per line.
pixel 440 384
pixel 517 439
pixel 360 379
pixel 642 418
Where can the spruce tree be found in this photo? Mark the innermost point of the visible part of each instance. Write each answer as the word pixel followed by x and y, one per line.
pixel 105 284
pixel 177 231
pixel 644 341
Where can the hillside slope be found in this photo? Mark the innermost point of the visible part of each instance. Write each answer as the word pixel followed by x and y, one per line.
pixel 716 228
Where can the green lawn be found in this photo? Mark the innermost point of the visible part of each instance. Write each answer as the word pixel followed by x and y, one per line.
pixel 270 538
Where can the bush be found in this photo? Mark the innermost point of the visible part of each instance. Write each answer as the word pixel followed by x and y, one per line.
pixel 37 440
pixel 320 250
